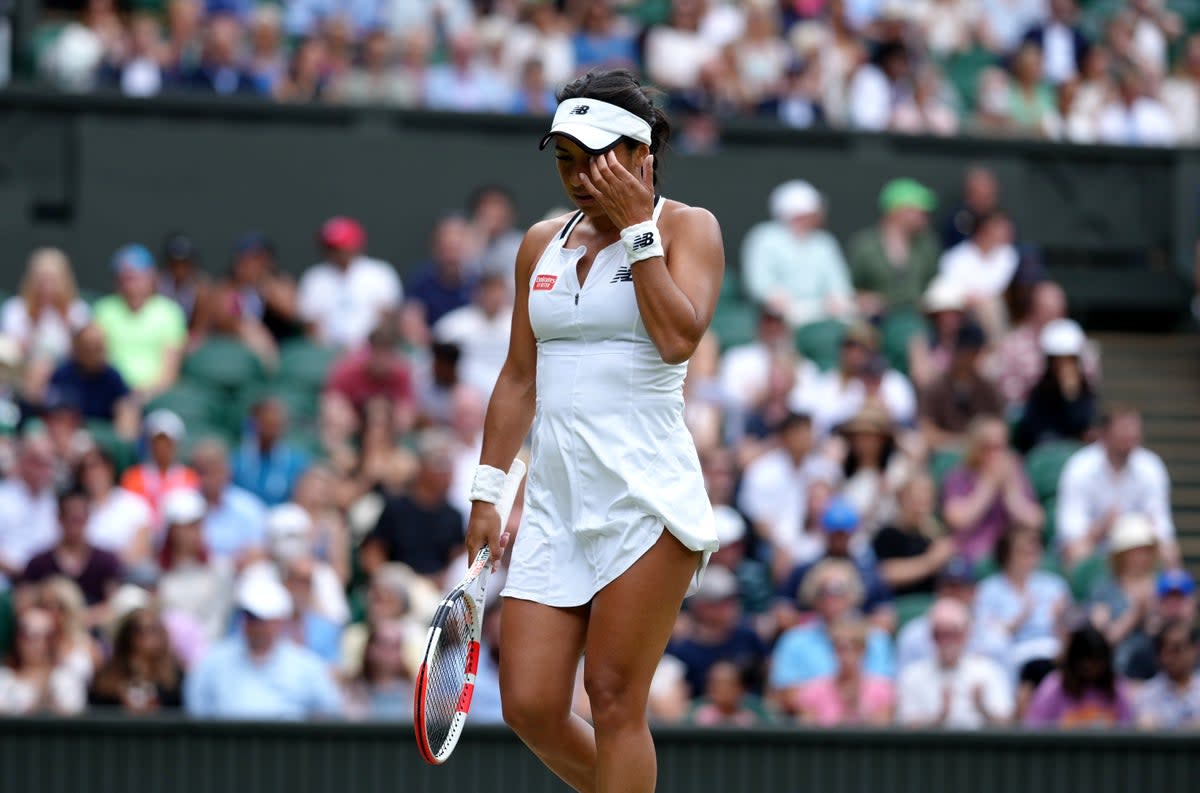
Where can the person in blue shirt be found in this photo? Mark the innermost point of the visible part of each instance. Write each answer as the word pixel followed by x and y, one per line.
pixel 235 523
pixel 833 589
pixel 446 281
pixel 102 393
pixel 257 673
pixel 265 464
pixel 306 626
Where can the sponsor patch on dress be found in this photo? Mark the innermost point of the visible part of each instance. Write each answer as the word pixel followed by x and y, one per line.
pixel 544 283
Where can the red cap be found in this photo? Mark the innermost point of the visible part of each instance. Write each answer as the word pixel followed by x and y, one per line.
pixel 343 233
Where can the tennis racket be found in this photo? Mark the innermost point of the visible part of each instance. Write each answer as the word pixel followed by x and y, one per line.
pixel 446 679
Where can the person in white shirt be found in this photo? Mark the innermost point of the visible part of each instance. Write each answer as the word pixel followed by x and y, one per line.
pixel 480 331
pixel 678 54
pixel 1181 92
pixel 874 88
pixel 1111 477
pixel 1134 117
pixel 745 369
pixel 28 509
pixel 955 689
pixel 792 261
pixel 982 266
pixel 343 298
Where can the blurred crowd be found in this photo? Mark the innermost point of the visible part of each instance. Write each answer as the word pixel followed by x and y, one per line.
pixel 241 493
pixel 1112 71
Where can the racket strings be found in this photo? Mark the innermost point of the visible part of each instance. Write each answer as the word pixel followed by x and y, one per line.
pixel 446 674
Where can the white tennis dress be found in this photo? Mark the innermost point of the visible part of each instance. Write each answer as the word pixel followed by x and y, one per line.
pixel 612 461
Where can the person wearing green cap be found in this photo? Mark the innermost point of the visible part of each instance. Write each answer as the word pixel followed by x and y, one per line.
pixel 893 261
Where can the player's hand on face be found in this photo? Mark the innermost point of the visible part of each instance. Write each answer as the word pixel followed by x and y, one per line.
pixel 484 530
pixel 626 198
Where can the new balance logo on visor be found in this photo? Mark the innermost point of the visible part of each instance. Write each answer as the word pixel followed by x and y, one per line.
pixel 579 111
pixel 623 274
pixel 644 240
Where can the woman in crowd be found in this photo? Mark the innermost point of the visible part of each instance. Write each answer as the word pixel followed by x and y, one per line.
pixel 32 678
pixel 191 582
pixel 1062 406
pixel 851 696
pixel 726 703
pixel 988 492
pixel 142 675
pixel 120 522
pixel 1085 690
pixel 44 316
pixel 1123 603
pixel 74 648
pixel 256 304
pixel 384 688
pixel 874 466
pixel 915 546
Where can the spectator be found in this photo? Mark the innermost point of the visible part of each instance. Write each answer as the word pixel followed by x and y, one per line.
pixel 1171 701
pixel 956 581
pixel 803 653
pixel 983 266
pixel 843 540
pixel 162 472
pixel 182 280
pixel 1181 92
pixel 988 492
pixel 1020 362
pixel 929 354
pixel 746 368
pixel 375 80
pixel 346 296
pixel 257 303
pixel 1105 479
pixel 957 689
pixel 32 679
pixel 678 55
pixel 119 521
pixel 892 262
pixel 234 520
pixel 1134 117
pixel 145 333
pixel 874 465
pixel 992 114
pixel 384 689
pixel 1033 107
pixel 793 263
pixel 493 212
pixel 305 625
pixel 95 571
pixel 395 593
pixel 877 87
pixel 330 539
pixel 100 390
pixel 950 26
pixel 45 315
pixel 142 675
pixel 192 583
pixel 605 40
pixel 292 546
pixel 1061 40
pixel 753 574
pixel 726 702
pixel 28 523
pixel 374 372
pixel 1123 605
pixel 220 70
pixel 1085 690
pixel 183 19
pixel 1154 28
pixel 851 695
pixel 266 464
pixel 480 330
pixel 74 648
pixel 1062 406
pixel 445 282
pixel 980 198
pixel 466 82
pixel 913 548
pixel 1006 20
pixel 139 72
pixel 760 59
pixel 305 17
pixel 309 75
pixel 801 104
pixel 1017 607
pixel 63 424
pixel 930 109
pixel 266 63
pixel 716 630
pixel 533 95
pixel 960 394
pixel 258 673
pixel 419 528
pixel 774 484
pixel 541 34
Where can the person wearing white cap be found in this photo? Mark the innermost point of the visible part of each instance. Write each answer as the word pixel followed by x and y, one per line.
pixel 612 301
pixel 1108 478
pixel 791 261
pixel 1062 406
pixel 191 582
pixel 162 472
pixel 259 674
pixel 944 305
pixel 290 538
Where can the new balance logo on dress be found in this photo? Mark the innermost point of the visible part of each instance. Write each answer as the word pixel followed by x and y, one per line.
pixel 579 111
pixel 623 274
pixel 644 240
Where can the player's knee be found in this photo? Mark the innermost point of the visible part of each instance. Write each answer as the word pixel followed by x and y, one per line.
pixel 614 701
pixel 530 712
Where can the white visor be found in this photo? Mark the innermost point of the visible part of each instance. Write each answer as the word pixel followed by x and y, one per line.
pixel 596 126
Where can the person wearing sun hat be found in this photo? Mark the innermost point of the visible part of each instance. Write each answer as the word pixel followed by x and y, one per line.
pixel 893 261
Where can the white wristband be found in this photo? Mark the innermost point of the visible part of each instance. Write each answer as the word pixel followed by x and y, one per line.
pixel 642 241
pixel 488 484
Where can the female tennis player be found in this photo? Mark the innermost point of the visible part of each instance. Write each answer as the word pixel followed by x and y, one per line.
pixel 611 301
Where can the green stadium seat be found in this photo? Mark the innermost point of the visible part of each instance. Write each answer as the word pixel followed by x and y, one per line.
pixel 963 72
pixel 301 403
pixel 224 363
pixel 1050 530
pixel 909 607
pixel 122 452
pixel 735 323
pixel 1044 464
pixel 898 328
pixel 194 402
pixel 305 364
pixel 821 342
pixel 1087 575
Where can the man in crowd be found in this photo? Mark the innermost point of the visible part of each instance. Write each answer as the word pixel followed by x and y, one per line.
pixel 1110 477
pixel 892 262
pixel 163 472
pixel 345 297
pixel 1171 700
pixel 445 282
pixel 28 521
pixel 235 521
pixel 102 392
pixel 96 571
pixel 374 371
pixel 265 464
pixel 960 394
pixel 983 265
pixel 981 195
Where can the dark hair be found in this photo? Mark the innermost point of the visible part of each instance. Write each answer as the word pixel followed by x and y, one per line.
pixel 851 464
pixel 621 88
pixel 1171 626
pixel 1048 392
pixel 117 672
pixel 70 494
pixel 1085 644
pixel 1004 545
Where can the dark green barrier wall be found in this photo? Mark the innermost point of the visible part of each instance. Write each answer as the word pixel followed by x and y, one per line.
pixel 90 173
pixel 138 756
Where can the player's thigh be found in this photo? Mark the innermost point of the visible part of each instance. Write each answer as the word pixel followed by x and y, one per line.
pixel 540 647
pixel 630 625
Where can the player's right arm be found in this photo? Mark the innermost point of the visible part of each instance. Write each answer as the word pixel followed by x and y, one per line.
pixel 510 410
